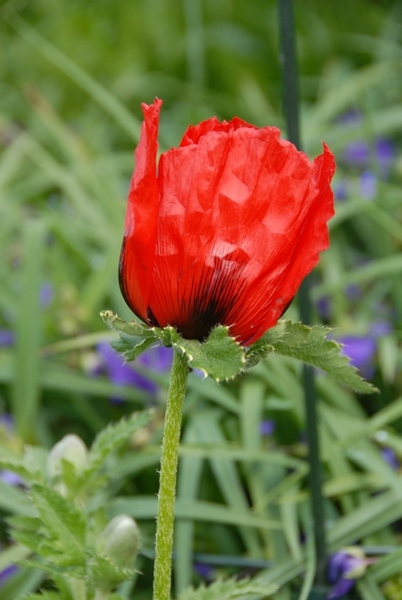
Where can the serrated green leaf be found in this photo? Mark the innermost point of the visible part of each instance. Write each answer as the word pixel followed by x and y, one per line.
pixel 15 500
pixel 219 357
pixel 12 555
pixel 112 437
pixel 52 569
pixel 106 574
pixel 132 328
pixel 27 538
pixel 134 337
pixel 229 590
pixel 63 523
pixel 30 466
pixel 130 348
pixel 311 346
pixel 25 531
pixel 16 466
pixel 24 522
pixel 56 556
pixel 35 460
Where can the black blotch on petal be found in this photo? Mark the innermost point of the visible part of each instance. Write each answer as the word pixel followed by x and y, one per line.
pixel 151 318
pixel 212 300
pixel 205 315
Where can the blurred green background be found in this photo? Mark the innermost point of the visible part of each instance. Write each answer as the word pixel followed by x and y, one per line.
pixel 72 78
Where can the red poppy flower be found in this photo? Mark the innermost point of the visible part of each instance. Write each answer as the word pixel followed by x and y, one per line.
pixel 225 230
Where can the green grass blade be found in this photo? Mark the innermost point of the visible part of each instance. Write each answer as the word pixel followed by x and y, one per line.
pixel 26 383
pixel 98 93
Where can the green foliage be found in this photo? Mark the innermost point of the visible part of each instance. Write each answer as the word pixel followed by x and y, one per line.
pixel 112 438
pixel 106 574
pixel 66 537
pixel 229 590
pixel 312 346
pixel 221 357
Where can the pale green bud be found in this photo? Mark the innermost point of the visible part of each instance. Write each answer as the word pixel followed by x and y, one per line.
pixel 119 541
pixel 71 449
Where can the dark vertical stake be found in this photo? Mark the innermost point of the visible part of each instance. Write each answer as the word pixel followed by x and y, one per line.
pixel 291 106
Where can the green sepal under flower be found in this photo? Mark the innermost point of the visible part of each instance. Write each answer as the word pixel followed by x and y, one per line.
pixel 221 357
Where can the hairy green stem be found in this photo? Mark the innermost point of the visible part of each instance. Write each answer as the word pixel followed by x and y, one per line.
pixel 168 476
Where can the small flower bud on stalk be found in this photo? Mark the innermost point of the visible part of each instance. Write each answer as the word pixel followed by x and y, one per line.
pixel 116 548
pixel 72 450
pixel 119 541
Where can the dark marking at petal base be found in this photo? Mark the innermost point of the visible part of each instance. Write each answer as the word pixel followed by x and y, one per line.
pixel 287 306
pixel 212 300
pixel 122 279
pixel 151 318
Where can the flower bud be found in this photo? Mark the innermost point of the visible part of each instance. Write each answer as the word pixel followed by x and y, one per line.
pixel 119 541
pixel 71 449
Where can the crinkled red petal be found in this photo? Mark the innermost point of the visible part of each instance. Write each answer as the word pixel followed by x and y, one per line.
pixel 232 224
pixel 137 254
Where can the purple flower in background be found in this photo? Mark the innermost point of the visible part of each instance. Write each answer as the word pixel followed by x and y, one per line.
pixel 46 294
pixel 391 458
pixel 385 155
pixel 351 117
pixel 361 350
pixel 7 337
pixel 380 328
pixel 7 573
pixel 7 425
pixel 357 154
pixel 121 373
pixel 11 478
pixel 267 427
pixel 7 422
pixel 341 190
pixel 353 291
pixel 344 567
pixel 204 571
pixel 373 159
pixel 324 307
pixel 368 184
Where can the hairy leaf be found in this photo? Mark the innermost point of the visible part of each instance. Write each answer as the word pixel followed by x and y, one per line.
pixel 312 346
pixel 230 589
pixel 219 357
pixel 114 436
pixel 63 524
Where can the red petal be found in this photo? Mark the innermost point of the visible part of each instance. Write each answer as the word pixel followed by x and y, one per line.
pixel 297 253
pixel 195 132
pixel 137 255
pixel 227 231
pixel 240 226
